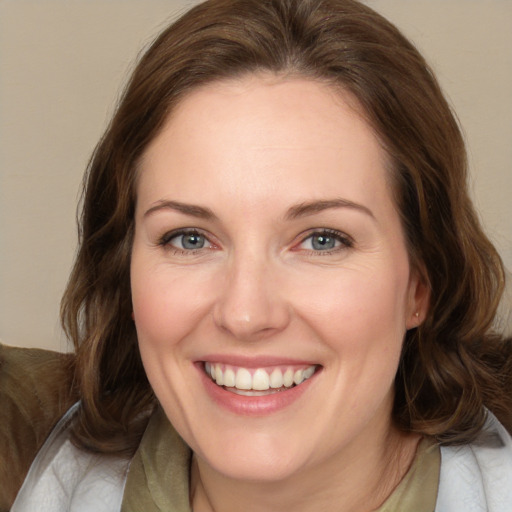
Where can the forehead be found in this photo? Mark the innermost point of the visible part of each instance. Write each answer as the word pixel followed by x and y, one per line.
pixel 261 133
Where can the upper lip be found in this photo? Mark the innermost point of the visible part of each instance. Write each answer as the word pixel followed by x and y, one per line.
pixel 255 361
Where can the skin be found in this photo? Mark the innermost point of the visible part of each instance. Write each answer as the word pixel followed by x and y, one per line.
pixel 250 151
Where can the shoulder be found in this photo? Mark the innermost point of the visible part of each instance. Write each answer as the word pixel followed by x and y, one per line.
pixel 478 476
pixel 35 391
pixel 64 478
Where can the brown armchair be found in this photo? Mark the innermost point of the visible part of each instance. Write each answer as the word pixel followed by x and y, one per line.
pixel 36 389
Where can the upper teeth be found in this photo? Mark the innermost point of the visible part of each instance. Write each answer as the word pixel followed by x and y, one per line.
pixel 258 379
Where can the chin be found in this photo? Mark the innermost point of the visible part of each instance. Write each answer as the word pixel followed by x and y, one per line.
pixel 261 461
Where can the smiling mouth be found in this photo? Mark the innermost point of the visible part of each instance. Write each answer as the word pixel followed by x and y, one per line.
pixel 258 381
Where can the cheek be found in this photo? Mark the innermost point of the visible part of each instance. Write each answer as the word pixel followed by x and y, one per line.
pixel 364 326
pixel 357 301
pixel 155 309
pixel 166 304
pixel 171 305
pixel 164 315
pixel 361 319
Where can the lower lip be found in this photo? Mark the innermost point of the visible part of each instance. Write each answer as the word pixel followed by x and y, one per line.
pixel 253 405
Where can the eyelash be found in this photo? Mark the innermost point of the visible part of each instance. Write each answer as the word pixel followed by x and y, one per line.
pixel 346 242
pixel 165 240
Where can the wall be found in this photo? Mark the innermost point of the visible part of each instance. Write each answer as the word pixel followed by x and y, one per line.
pixel 62 64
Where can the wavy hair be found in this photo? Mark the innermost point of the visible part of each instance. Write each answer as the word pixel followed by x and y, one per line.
pixel 453 366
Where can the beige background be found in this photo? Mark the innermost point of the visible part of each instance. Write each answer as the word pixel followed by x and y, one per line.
pixel 61 66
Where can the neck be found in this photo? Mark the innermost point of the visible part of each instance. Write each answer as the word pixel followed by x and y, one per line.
pixel 357 479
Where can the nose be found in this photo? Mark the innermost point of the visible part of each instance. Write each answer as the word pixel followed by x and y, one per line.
pixel 250 305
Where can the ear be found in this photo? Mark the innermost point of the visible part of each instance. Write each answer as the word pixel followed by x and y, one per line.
pixel 418 299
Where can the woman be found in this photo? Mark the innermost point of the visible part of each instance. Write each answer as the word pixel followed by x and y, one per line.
pixel 279 258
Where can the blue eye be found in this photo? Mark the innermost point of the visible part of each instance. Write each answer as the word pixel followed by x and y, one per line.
pixel 326 240
pixel 323 242
pixel 185 240
pixel 191 241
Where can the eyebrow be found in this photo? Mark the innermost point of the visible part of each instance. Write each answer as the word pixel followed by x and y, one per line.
pixel 297 211
pixel 188 209
pixel 312 207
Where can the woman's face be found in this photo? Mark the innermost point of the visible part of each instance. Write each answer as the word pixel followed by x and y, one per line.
pixel 268 252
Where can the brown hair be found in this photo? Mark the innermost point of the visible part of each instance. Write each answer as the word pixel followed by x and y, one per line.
pixel 452 365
